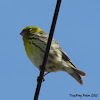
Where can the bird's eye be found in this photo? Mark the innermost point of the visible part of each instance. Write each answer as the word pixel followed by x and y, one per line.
pixel 28 29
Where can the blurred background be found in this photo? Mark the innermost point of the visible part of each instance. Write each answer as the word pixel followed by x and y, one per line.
pixel 78 33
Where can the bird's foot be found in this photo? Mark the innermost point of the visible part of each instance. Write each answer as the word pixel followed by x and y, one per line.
pixel 40 68
pixel 39 79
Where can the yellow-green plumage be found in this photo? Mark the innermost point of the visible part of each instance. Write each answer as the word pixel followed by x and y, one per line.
pixel 27 46
pixel 35 41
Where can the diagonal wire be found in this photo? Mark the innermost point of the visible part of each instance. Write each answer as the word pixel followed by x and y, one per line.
pixel 47 49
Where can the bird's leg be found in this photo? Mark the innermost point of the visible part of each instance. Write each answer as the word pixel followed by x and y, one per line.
pixel 39 79
pixel 43 75
pixel 46 74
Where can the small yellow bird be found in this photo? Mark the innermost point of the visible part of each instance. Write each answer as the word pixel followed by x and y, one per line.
pixel 35 41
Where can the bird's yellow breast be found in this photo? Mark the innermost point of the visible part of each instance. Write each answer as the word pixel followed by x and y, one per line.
pixel 28 47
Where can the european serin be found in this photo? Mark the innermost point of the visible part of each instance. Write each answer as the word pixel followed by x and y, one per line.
pixel 35 41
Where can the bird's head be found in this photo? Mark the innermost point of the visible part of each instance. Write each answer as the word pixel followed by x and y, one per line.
pixel 29 30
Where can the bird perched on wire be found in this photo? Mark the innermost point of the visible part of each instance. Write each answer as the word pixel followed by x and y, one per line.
pixel 35 41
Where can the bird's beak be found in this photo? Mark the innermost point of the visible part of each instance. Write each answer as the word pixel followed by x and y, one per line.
pixel 22 33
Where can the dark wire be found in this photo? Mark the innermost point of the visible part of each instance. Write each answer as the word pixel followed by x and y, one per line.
pixel 47 50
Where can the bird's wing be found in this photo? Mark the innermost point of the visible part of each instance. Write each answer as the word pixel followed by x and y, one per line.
pixel 66 58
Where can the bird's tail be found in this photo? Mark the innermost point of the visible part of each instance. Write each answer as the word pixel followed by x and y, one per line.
pixel 76 74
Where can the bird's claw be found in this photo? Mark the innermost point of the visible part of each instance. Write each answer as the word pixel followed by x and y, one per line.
pixel 39 79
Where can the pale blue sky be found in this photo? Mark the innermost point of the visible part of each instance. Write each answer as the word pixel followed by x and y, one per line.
pixel 78 33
